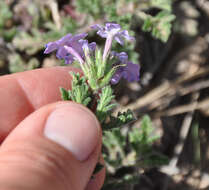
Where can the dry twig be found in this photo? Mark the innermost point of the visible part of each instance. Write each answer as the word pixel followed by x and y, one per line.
pixel 168 89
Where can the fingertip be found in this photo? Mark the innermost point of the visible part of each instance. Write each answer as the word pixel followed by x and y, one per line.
pixel 70 147
pixel 73 127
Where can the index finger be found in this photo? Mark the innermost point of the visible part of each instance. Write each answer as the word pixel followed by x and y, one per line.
pixel 22 93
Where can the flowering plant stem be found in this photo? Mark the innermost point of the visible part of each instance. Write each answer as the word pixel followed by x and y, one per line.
pixel 100 70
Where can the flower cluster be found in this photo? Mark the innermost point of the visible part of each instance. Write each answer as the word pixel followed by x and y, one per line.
pixel 74 48
pixel 70 48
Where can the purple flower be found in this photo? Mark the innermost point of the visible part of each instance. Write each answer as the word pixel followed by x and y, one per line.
pixel 122 56
pixel 68 48
pixel 88 46
pixel 111 31
pixel 126 69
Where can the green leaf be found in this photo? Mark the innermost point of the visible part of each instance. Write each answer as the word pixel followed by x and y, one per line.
pixel 100 64
pixel 106 79
pixel 80 92
pixel 121 119
pixel 64 94
pixel 104 103
pixel 159 25
pixel 114 141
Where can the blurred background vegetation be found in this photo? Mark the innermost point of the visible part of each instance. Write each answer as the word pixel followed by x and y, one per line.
pixel 168 149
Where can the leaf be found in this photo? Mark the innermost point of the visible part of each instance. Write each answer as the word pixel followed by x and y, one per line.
pixel 114 141
pixel 159 25
pixel 80 92
pixel 121 119
pixel 64 94
pixel 104 103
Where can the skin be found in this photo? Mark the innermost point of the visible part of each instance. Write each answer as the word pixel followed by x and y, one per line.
pixel 27 159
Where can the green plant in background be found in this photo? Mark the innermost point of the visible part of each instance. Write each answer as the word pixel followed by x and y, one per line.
pixel 5 13
pixel 124 11
pixel 33 42
pixel 17 64
pixel 42 29
pixel 161 4
pixel 91 7
pixel 129 151
pixel 7 31
pixel 159 25
pixel 142 140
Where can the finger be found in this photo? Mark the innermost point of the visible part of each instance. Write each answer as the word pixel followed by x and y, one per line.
pixel 53 148
pixel 22 93
pixel 97 181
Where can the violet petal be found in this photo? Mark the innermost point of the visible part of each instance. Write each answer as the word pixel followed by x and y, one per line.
pixel 50 47
pixel 116 77
pixel 131 72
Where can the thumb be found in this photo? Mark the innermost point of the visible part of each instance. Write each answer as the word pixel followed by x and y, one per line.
pixel 56 147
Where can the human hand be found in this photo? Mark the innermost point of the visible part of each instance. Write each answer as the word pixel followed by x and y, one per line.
pixel 46 145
